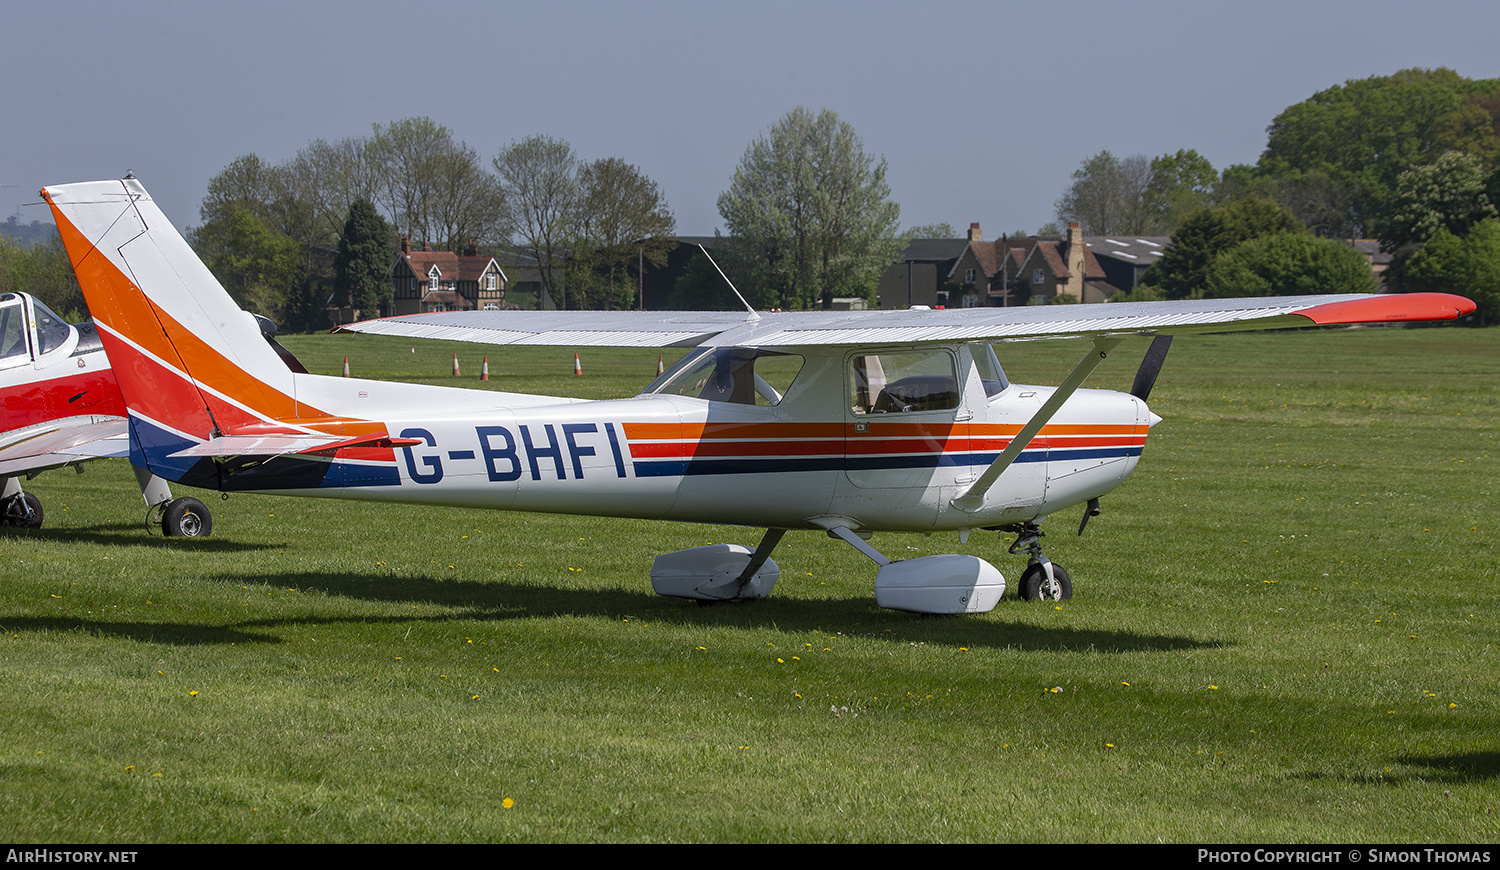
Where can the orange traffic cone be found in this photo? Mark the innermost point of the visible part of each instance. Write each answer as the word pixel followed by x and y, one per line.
pixel 577 365
pixel 484 369
pixel 659 367
pixel 346 367
pixel 455 365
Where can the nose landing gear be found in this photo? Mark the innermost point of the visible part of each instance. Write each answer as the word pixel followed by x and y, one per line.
pixel 1042 580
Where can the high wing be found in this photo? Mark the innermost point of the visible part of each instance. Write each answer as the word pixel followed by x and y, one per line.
pixel 814 328
pixel 55 444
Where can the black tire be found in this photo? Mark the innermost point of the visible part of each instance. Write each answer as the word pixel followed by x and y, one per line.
pixel 186 518
pixel 1033 578
pixel 22 511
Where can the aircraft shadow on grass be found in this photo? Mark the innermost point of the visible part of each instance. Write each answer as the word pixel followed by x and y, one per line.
pixel 173 633
pixel 1458 767
pixel 498 600
pixel 129 535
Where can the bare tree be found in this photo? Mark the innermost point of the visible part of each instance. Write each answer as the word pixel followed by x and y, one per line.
pixel 539 179
pixel 433 187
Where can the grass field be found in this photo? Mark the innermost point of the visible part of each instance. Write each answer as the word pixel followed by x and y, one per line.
pixel 1284 629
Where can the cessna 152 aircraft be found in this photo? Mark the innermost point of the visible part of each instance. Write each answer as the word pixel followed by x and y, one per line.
pixel 63 408
pixel 847 423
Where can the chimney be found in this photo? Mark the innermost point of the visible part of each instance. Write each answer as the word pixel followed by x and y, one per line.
pixel 1076 261
pixel 975 235
pixel 405 245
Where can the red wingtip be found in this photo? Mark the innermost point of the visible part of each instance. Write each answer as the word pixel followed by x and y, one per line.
pixel 1392 308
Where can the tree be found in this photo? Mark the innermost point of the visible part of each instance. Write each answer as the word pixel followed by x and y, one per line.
pixel 623 222
pixel 1108 196
pixel 941 230
pixel 1180 184
pixel 1182 270
pixel 433 187
pixel 539 178
pixel 1363 134
pixel 362 270
pixel 1289 264
pixel 43 270
pixel 1448 194
pixel 255 263
pixel 1136 196
pixel 810 212
pixel 1469 265
pixel 248 183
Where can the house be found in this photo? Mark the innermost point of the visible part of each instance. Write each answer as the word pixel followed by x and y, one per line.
pixel 428 280
pixel 985 273
pixel 1379 260
pixel 1125 259
pixel 1029 270
pixel 920 274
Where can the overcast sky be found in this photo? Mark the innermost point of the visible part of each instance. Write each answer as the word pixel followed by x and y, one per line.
pixel 982 110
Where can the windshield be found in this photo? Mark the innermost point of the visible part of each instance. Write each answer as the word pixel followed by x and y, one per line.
pixel 51 330
pixel 738 375
pixel 990 371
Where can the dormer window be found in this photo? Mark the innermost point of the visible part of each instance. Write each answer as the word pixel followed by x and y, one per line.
pixel 489 281
pixel 432 280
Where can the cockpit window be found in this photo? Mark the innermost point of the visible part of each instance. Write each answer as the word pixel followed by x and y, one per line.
pixel 902 381
pixel 12 332
pixel 51 330
pixel 738 375
pixel 989 368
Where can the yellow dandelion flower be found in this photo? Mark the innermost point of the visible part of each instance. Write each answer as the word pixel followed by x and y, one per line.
pixel 193 692
pixel 508 803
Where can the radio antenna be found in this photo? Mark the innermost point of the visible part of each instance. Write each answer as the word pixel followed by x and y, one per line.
pixel 753 315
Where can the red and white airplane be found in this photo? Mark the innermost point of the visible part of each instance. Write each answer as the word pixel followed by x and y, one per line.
pixel 845 423
pixel 62 407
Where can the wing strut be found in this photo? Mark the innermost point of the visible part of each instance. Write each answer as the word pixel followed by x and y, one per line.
pixel 973 500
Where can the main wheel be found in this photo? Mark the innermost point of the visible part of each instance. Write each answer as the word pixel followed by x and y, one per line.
pixel 186 518
pixel 22 511
pixel 1034 581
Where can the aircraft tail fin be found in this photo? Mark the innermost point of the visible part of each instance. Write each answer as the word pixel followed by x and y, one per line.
pixel 191 365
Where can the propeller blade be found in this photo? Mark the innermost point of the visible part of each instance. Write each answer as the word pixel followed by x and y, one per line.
pixel 1145 376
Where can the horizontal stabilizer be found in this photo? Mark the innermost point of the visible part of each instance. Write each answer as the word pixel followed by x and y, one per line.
pixel 230 446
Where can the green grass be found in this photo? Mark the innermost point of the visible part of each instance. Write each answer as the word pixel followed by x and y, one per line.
pixel 1284 630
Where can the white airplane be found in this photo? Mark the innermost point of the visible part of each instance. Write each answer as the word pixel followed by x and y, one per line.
pixel 847 423
pixel 62 408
